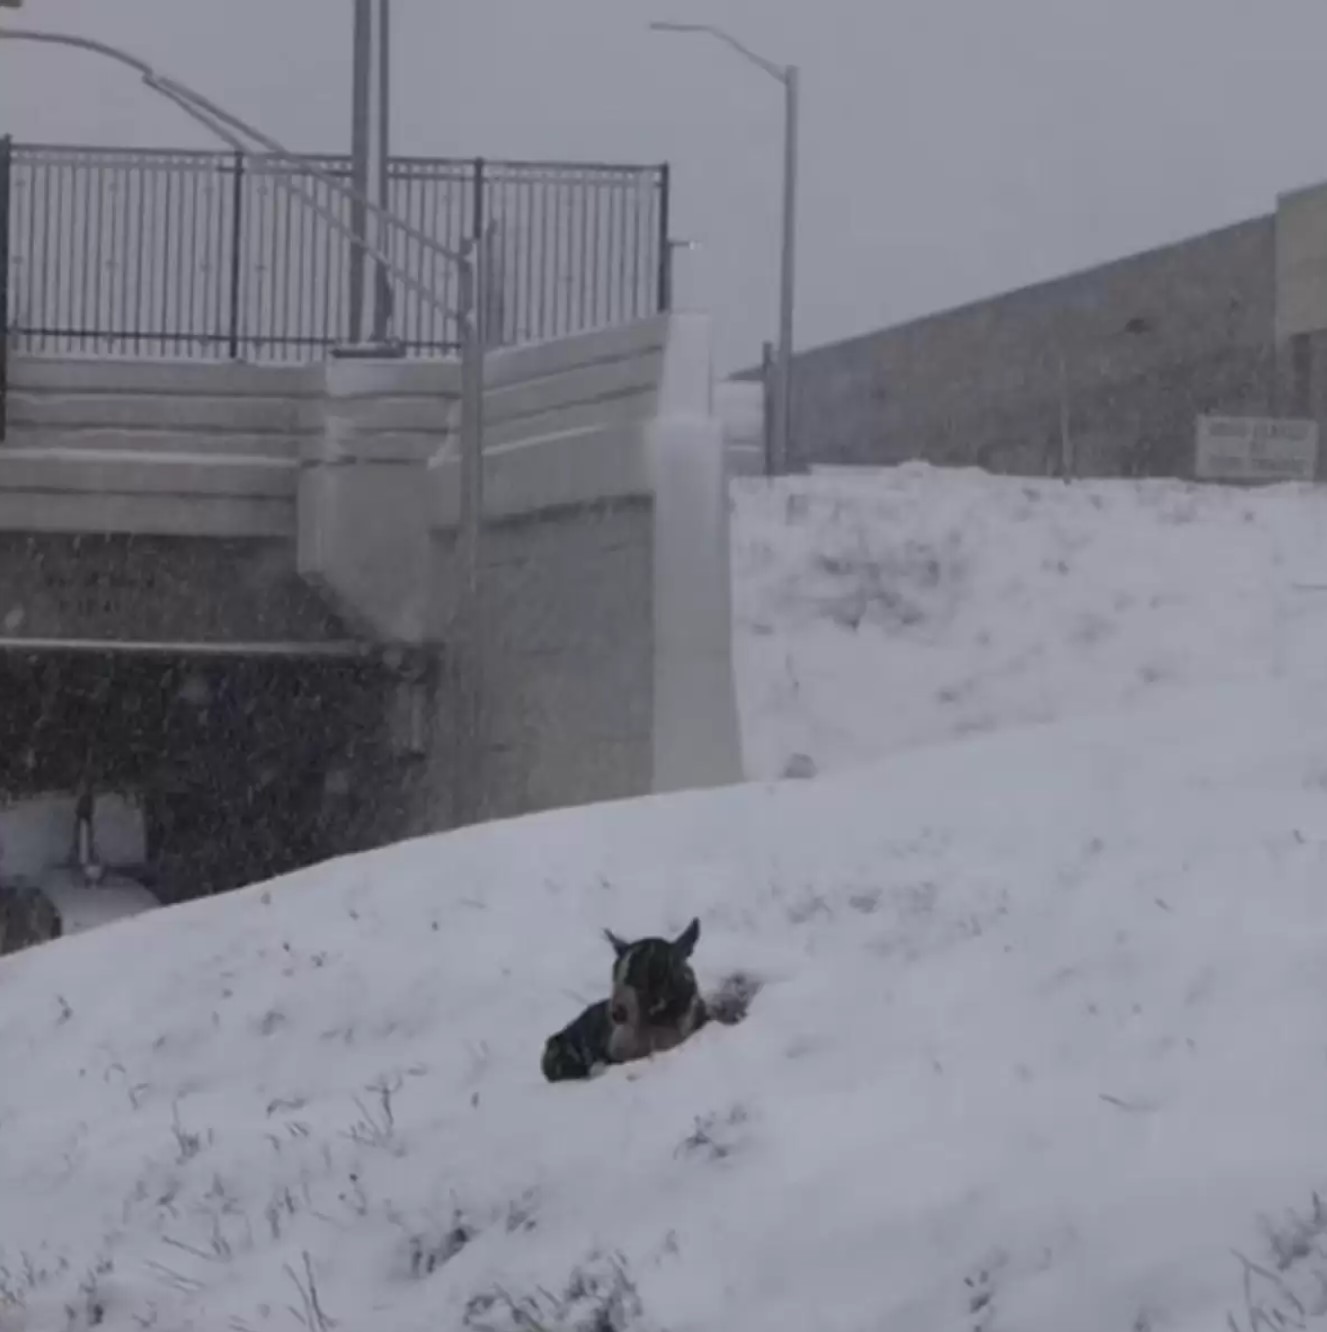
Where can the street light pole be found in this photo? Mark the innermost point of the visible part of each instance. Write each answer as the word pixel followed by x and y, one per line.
pixel 382 287
pixel 789 77
pixel 787 278
pixel 370 135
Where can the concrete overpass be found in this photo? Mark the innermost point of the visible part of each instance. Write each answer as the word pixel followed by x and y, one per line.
pixel 229 584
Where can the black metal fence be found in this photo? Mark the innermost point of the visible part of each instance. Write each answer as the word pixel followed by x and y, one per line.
pixel 220 255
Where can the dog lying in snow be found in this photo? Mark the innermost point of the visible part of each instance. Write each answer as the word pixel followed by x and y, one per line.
pixel 654 1005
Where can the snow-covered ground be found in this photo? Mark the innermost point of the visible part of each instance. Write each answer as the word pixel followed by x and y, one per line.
pixel 877 610
pixel 1040 1040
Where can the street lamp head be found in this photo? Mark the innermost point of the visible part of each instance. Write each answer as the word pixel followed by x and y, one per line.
pixel 662 26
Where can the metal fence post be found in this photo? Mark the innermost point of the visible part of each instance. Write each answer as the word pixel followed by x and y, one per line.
pixel 478 210
pixel 236 252
pixel 6 168
pixel 665 242
pixel 467 647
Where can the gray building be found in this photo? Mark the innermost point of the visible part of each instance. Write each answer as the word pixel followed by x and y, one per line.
pixel 1117 360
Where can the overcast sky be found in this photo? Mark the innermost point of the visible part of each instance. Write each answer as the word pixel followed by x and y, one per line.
pixel 950 148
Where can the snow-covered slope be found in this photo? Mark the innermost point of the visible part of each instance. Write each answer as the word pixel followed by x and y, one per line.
pixel 876 610
pixel 1039 1044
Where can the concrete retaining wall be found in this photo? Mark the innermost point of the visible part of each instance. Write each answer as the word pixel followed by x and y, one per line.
pixel 606 569
pixel 605 551
pixel 607 659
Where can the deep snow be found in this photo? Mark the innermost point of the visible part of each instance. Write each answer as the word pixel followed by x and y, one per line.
pixel 1040 1044
pixel 877 610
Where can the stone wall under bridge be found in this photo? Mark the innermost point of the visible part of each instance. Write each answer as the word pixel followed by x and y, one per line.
pixel 231 587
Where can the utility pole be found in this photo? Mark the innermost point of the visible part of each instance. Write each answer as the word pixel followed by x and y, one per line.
pixel 360 116
pixel 382 287
pixel 789 77
pixel 371 156
pixel 783 419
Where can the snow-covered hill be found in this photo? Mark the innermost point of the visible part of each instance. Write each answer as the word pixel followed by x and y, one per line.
pixel 880 609
pixel 1039 1044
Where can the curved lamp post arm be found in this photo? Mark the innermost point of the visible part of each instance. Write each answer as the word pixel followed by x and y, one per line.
pixel 779 72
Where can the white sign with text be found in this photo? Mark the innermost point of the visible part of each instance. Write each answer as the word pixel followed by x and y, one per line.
pixel 1255 448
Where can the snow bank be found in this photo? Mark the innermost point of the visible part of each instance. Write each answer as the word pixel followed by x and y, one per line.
pixel 882 609
pixel 1039 1044
pixel 1040 1040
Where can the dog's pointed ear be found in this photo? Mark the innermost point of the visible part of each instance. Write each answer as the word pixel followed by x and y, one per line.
pixel 620 946
pixel 686 941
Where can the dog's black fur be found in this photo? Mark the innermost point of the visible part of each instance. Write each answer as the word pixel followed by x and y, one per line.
pixel 581 1048
pixel 655 1004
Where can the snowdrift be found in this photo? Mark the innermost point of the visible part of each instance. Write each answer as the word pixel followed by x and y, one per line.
pixel 1040 1040
pixel 880 609
pixel 1039 1043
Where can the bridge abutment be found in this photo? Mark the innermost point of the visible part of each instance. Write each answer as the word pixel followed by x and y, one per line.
pixel 305 517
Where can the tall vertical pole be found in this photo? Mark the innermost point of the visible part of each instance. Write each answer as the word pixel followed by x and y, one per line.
pixel 787 277
pixel 236 252
pixel 6 170
pixel 768 394
pixel 475 332
pixel 664 296
pixel 1067 461
pixel 382 292
pixel 468 635
pixel 360 114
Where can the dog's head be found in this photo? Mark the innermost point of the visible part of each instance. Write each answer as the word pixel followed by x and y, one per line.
pixel 653 984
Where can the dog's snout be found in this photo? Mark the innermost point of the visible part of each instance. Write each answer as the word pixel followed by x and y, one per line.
pixel 618 1012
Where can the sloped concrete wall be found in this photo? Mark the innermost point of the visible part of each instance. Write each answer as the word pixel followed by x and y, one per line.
pixel 607 654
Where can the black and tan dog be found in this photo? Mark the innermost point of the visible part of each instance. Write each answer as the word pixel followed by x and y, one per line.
pixel 655 1004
